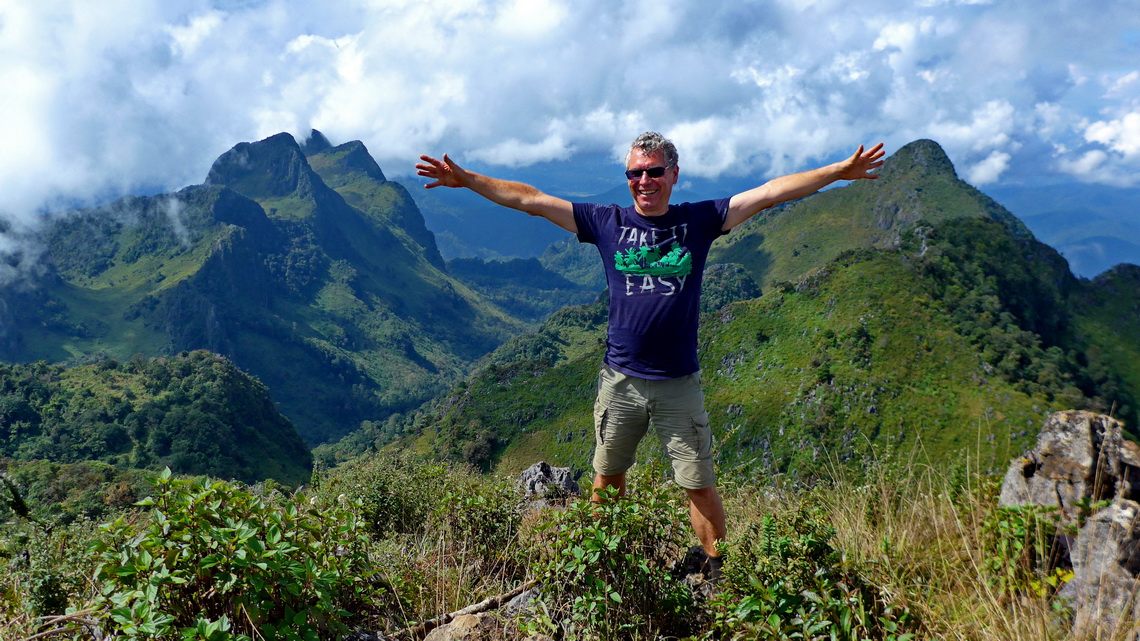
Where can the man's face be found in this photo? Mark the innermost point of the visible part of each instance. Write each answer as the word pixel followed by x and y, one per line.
pixel 651 195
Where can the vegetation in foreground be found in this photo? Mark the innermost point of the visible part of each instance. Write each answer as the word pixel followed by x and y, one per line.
pixel 901 550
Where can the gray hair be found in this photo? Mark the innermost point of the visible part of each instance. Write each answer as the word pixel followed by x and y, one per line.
pixel 650 142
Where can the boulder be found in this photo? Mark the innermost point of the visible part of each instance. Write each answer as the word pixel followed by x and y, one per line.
pixel 1082 459
pixel 1105 567
pixel 1079 458
pixel 543 480
pixel 468 627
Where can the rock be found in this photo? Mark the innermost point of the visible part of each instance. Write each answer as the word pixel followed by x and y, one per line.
pixel 468 627
pixel 1077 458
pixel 542 480
pixel 1081 458
pixel 522 605
pixel 1105 567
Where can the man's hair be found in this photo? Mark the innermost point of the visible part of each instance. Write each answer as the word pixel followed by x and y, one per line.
pixel 650 142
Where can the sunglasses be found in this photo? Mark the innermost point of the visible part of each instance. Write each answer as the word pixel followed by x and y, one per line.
pixel 652 172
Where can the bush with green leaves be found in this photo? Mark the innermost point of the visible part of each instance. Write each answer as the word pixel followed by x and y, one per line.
pixel 1022 550
pixel 217 561
pixel 45 571
pixel 608 572
pixel 785 580
pixel 397 492
pixel 484 515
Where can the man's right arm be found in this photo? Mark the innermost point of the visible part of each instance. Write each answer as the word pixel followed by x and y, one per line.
pixel 516 195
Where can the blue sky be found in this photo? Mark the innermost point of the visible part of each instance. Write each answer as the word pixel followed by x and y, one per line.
pixel 109 97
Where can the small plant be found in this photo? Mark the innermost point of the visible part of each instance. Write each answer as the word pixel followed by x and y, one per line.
pixel 397 493
pixel 1021 551
pixel 784 580
pixel 485 515
pixel 215 561
pixel 608 576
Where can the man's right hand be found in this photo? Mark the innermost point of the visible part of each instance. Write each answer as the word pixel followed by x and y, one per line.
pixel 445 173
pixel 508 193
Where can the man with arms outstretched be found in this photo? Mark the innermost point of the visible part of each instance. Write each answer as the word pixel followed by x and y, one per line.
pixel 654 255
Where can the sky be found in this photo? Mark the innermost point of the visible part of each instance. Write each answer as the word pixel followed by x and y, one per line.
pixel 112 97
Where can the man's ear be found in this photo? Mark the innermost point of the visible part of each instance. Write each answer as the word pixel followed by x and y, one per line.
pixel 676 174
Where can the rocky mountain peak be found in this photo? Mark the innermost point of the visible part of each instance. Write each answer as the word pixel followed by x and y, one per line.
pixel 349 159
pixel 315 143
pixel 269 168
pixel 924 157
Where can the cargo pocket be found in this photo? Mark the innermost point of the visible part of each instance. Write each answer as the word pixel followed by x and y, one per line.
pixel 601 413
pixel 703 434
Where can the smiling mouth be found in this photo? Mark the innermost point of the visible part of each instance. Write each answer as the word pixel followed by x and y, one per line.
pixel 646 192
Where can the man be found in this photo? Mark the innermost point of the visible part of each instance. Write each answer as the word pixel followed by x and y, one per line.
pixel 654 255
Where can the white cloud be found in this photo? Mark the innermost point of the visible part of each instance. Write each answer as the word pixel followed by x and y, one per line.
pixel 121 95
pixel 1121 135
pixel 989 126
pixel 515 153
pixel 989 170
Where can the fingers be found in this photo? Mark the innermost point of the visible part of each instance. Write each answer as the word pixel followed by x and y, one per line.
pixel 441 171
pixel 431 165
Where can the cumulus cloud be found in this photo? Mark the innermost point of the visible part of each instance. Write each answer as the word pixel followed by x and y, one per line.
pixel 135 95
pixel 989 170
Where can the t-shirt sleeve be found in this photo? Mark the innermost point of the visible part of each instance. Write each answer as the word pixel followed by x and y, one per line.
pixel 586 219
pixel 721 206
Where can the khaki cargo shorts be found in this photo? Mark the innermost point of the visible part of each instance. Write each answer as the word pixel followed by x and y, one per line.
pixel 627 405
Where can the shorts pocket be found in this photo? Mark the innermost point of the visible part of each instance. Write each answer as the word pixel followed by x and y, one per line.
pixel 703 432
pixel 601 413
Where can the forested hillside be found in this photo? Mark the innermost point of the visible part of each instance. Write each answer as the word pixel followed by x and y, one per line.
pixel 926 320
pixel 332 293
pixel 194 412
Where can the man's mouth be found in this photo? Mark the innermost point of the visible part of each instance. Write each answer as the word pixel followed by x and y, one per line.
pixel 646 192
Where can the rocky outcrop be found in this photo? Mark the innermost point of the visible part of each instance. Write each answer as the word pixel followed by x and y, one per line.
pixel 1105 568
pixel 543 481
pixel 1081 459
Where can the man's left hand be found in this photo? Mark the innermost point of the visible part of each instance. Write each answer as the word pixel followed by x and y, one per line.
pixel 860 164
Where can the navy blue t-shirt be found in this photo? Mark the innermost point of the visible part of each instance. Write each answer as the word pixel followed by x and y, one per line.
pixel 654 266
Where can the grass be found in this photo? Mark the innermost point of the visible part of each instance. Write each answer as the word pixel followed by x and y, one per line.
pixel 908 531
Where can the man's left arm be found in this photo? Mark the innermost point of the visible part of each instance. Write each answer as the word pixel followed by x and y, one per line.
pixel 747 204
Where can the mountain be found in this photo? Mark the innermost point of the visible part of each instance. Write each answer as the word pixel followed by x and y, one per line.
pixel 918 183
pixel 310 271
pixel 1094 227
pixel 194 412
pixel 907 316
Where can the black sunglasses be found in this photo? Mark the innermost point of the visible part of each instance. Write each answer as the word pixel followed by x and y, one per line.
pixel 652 172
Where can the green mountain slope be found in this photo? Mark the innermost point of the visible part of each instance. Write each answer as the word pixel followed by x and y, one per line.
pixel 333 294
pixel 1108 316
pixel 948 329
pixel 195 413
pixel 916 182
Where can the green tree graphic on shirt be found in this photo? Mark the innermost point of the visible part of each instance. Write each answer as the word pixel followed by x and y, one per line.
pixel 649 261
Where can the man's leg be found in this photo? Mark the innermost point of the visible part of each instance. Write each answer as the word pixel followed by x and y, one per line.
pixel 621 419
pixel 603 481
pixel 706 511
pixel 682 424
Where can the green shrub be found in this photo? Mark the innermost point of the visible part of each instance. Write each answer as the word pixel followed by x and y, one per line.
pixel 784 580
pixel 396 492
pixel 484 516
pixel 45 570
pixel 608 573
pixel 216 561
pixel 1021 550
